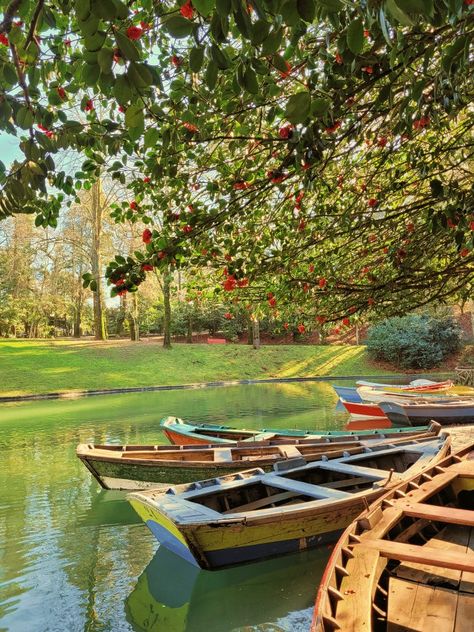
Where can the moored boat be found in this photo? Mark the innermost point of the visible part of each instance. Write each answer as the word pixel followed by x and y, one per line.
pixel 141 467
pixel 254 515
pixel 419 385
pixel 419 412
pixel 179 432
pixel 364 409
pixel 407 563
pixel 375 396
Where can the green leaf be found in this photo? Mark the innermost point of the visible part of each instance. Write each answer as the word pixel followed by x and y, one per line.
pixel 24 118
pixel 250 81
pixel 9 74
pixel 223 7
pixel 105 60
pixel 151 138
pixel 139 75
pixel 105 9
pixel 93 285
pixel 397 13
pixel 260 30
pixel 196 58
pixel 289 12
pixel 178 27
pixel 210 77
pixel 298 107
pixel 307 9
pixel 331 6
pixel 95 42
pixel 320 106
pixel 83 9
pixel 243 22
pixel 219 57
pixel 128 48
pixel 134 116
pixel 204 6
pixel 355 36
pixel 123 91
pixel 90 74
pixel 272 43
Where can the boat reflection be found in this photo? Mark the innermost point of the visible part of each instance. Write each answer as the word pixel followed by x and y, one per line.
pixel 171 595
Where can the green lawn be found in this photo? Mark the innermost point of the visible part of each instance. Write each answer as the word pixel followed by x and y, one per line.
pixel 42 366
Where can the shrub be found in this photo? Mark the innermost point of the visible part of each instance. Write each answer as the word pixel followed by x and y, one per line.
pixel 414 341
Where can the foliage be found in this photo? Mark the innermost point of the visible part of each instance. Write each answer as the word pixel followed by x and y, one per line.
pixel 293 142
pixel 414 341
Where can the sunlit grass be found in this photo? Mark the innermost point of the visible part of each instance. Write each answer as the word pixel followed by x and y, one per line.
pixel 41 366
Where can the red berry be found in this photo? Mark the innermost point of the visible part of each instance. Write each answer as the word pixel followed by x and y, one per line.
pixel 133 205
pixel 89 106
pixel 147 180
pixel 286 131
pixel 61 92
pixel 176 61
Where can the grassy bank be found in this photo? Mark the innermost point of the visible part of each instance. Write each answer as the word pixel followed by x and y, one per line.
pixel 41 366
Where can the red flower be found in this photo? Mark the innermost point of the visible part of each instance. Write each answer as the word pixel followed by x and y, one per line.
pixel 190 208
pixel 228 257
pixel 67 42
pixel 228 316
pixel 285 326
pixel 305 166
pixel 286 131
pixel 382 141
pixel 242 282
pixel 147 180
pixel 146 26
pixel 121 109
pixel 464 252
pixel 306 287
pixel 276 176
pixel 335 330
pixel 122 292
pixel 451 224
pixel 190 127
pixel 147 236
pixel 468 3
pixel 311 267
pixel 410 227
pixel 302 225
pixel 301 329
pixel 422 122
pixel 338 58
pixel 89 106
pixel 117 55
pixel 372 202
pixel 147 267
pixel 229 284
pixel 187 10
pixel 176 61
pixel 366 33
pixel 346 322
pixel 44 129
pixel 272 302
pixel 322 282
pixel 61 92
pixel 368 69
pixel 133 205
pixel 134 32
pixel 321 319
pixel 270 295
pixel 187 229
pixel 370 301
pixel 162 254
pixel 335 126
pixel 240 185
pixel 120 281
pixel 299 197
pixel 471 225
pixel 4 39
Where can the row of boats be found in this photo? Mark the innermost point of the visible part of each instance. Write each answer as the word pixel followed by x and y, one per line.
pixel 401 503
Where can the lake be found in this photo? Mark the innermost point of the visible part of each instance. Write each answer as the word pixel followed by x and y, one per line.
pixel 75 557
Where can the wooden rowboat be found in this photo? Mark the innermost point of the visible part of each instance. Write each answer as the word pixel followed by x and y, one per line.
pixel 420 411
pixel 407 563
pixel 141 467
pixel 414 386
pixel 180 432
pixel 364 409
pixel 255 515
pixel 375 395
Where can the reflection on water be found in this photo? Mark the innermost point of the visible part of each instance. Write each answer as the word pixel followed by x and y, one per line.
pixel 251 596
pixel 71 554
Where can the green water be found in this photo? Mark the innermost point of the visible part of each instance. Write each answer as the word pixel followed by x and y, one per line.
pixel 74 557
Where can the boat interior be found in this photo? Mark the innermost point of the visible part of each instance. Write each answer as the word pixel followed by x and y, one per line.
pixel 328 480
pixel 436 584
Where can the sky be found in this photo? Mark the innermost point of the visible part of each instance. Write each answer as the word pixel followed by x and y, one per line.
pixel 9 148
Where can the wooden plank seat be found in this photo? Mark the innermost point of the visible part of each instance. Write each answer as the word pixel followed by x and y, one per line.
pixel 223 455
pixel 450 515
pixel 306 489
pixel 263 502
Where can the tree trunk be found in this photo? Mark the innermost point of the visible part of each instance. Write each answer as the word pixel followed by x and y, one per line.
pixel 100 328
pixel 133 319
pixel 121 317
pixel 250 332
pixel 357 334
pixel 189 332
pixel 167 305
pixel 256 334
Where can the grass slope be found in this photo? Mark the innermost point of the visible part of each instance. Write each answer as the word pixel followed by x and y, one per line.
pixel 41 366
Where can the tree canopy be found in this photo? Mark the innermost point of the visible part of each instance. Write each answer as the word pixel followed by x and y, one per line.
pixel 318 153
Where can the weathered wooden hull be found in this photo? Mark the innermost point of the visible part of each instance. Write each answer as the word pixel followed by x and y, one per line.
pixel 132 476
pixel 211 539
pixel 419 416
pixel 214 546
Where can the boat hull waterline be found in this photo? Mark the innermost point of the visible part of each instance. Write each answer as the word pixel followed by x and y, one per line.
pixel 245 527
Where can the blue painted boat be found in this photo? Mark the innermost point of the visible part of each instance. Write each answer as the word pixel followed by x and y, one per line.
pixel 254 515
pixel 348 393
